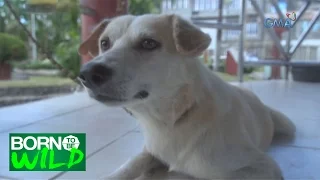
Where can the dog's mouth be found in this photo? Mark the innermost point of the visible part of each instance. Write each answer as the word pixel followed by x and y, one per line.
pixel 106 98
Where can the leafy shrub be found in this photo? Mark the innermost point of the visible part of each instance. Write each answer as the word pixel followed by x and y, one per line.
pixel 139 7
pixel 12 48
pixel 69 58
pixel 35 65
pixel 13 28
pixel 222 68
pixel 248 70
pixel 67 54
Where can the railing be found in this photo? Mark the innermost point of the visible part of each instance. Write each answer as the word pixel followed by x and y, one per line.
pixel 193 8
pixel 193 5
pixel 175 4
pixel 204 7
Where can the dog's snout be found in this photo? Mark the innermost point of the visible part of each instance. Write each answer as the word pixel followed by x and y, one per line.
pixel 95 74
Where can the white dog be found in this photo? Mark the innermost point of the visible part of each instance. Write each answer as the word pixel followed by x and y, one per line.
pixel 195 125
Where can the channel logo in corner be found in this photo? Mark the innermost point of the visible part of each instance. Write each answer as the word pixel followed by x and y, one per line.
pixel 282 23
pixel 47 151
pixel 292 16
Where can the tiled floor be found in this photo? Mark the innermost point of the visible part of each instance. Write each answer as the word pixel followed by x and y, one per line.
pixel 112 135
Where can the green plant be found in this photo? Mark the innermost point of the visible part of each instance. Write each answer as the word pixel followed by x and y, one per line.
pixel 14 29
pixel 38 81
pixel 11 48
pixel 35 65
pixel 67 53
pixel 248 70
pixel 222 68
pixel 138 7
pixel 6 20
pixel 70 60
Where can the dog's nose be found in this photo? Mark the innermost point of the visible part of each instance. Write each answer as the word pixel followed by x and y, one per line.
pixel 95 74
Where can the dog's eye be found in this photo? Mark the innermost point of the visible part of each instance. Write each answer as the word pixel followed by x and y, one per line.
pixel 149 44
pixel 105 45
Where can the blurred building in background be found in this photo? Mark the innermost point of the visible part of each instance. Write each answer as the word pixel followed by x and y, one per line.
pixel 257 41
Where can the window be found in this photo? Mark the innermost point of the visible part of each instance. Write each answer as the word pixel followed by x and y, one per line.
pixel 174 4
pixel 282 5
pixel 316 27
pixel 305 24
pixel 252 29
pixel 232 5
pixel 230 34
pixel 200 5
pixel 253 52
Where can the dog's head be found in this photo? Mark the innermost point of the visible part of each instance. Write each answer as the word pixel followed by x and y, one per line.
pixel 137 58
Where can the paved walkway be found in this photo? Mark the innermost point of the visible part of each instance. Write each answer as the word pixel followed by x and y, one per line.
pixel 113 136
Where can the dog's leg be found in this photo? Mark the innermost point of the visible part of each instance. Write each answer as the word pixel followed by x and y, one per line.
pixel 136 166
pixel 263 168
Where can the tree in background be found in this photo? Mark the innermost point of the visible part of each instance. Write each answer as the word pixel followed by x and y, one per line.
pixel 59 32
pixel 138 7
pixel 62 25
pixel 7 22
pixel 60 29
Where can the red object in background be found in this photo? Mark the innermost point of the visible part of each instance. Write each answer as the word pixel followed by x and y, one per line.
pixel 231 65
pixel 276 70
pixel 94 11
pixel 5 71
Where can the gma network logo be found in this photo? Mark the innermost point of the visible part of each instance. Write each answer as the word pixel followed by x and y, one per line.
pixel 284 23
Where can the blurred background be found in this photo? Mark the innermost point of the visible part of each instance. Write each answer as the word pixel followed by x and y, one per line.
pixel 26 73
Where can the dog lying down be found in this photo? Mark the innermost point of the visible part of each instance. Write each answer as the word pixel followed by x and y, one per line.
pixel 195 125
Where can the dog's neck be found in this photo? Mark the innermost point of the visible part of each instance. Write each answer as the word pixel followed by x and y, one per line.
pixel 170 109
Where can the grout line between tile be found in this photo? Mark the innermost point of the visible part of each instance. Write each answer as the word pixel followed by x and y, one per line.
pixel 299 147
pixel 97 151
pixel 7 178
pixel 47 118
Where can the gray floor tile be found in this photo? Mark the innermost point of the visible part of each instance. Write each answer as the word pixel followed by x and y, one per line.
pixel 16 116
pixel 307 135
pixel 4 151
pixel 25 175
pixel 99 132
pixel 297 163
pixel 110 158
pixel 298 158
pixel 102 125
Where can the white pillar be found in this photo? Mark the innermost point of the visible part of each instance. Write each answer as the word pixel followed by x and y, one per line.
pixel 318 54
pixel 33 31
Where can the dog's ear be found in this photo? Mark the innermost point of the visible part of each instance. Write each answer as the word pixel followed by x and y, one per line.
pixel 91 45
pixel 188 39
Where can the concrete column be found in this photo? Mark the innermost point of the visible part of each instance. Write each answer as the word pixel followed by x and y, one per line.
pixel 33 31
pixel 318 54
